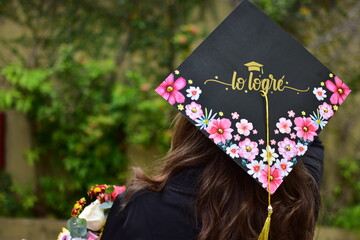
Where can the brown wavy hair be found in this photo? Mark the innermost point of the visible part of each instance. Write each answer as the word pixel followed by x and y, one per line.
pixel 230 204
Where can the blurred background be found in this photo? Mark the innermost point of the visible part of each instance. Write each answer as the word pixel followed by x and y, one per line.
pixel 78 106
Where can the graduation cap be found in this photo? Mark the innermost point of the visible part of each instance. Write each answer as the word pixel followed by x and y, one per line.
pixel 256 93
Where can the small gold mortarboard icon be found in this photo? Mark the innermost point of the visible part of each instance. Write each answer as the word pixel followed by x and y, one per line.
pixel 254 66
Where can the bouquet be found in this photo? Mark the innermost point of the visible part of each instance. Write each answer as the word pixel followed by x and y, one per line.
pixel 87 222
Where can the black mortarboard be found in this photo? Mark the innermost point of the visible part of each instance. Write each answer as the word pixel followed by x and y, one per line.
pixel 247 65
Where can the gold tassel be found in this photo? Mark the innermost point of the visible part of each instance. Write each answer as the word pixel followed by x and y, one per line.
pixel 264 235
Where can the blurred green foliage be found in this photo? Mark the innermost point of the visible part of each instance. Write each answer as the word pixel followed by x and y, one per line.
pixel 15 200
pixel 347 218
pixel 83 74
pixel 80 131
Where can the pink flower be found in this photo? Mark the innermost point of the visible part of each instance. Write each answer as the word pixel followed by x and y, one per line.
pixel 193 110
pixel 145 87
pixel 92 236
pixel 219 130
pixel 305 128
pixel 117 191
pixel 105 197
pixel 276 131
pixel 237 137
pixel 326 111
pixel 244 127
pixel 291 113
pixel 261 141
pixel 64 235
pixel 272 142
pixel 275 178
pixel 248 149
pixel 339 89
pixel 169 89
pixel 284 125
pixel 287 148
pixel 235 115
pixel 292 135
pixel 181 38
pixel 255 131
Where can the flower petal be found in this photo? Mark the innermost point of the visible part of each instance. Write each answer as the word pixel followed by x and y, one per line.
pixel 160 89
pixel 334 99
pixel 171 99
pixel 179 98
pixel 338 82
pixel 331 86
pixel 179 84
pixel 170 79
pixel 298 121
pixel 225 123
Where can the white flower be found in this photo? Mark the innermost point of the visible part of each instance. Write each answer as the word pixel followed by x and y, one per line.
pixel 94 216
pixel 320 93
pixel 318 119
pixel 269 154
pixel 255 168
pixel 204 121
pixel 301 148
pixel 233 151
pixel 193 93
pixel 284 165
pixel 244 127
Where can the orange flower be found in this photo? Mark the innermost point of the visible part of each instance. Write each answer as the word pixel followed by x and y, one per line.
pixel 96 190
pixel 78 206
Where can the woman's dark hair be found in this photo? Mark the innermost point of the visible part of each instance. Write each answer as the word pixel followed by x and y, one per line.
pixel 229 203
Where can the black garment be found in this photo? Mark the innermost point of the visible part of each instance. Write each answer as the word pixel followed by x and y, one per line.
pixel 168 214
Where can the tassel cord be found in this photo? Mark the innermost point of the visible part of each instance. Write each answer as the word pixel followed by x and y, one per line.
pixel 264 235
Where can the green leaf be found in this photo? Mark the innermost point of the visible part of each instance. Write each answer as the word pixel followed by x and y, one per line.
pixel 106 205
pixel 109 190
pixel 77 227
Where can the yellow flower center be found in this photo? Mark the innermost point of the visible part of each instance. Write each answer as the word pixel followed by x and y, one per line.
pixel 220 131
pixel 248 149
pixel 288 148
pixel 194 110
pixel 271 178
pixel 169 89
pixel 326 110
pixel 269 155
pixel 305 129
pixel 340 91
pixel 206 121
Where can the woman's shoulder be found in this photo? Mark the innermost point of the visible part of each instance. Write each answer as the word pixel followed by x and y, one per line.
pixel 166 214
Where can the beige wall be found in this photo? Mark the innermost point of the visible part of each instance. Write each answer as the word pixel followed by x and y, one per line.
pixel 17 143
